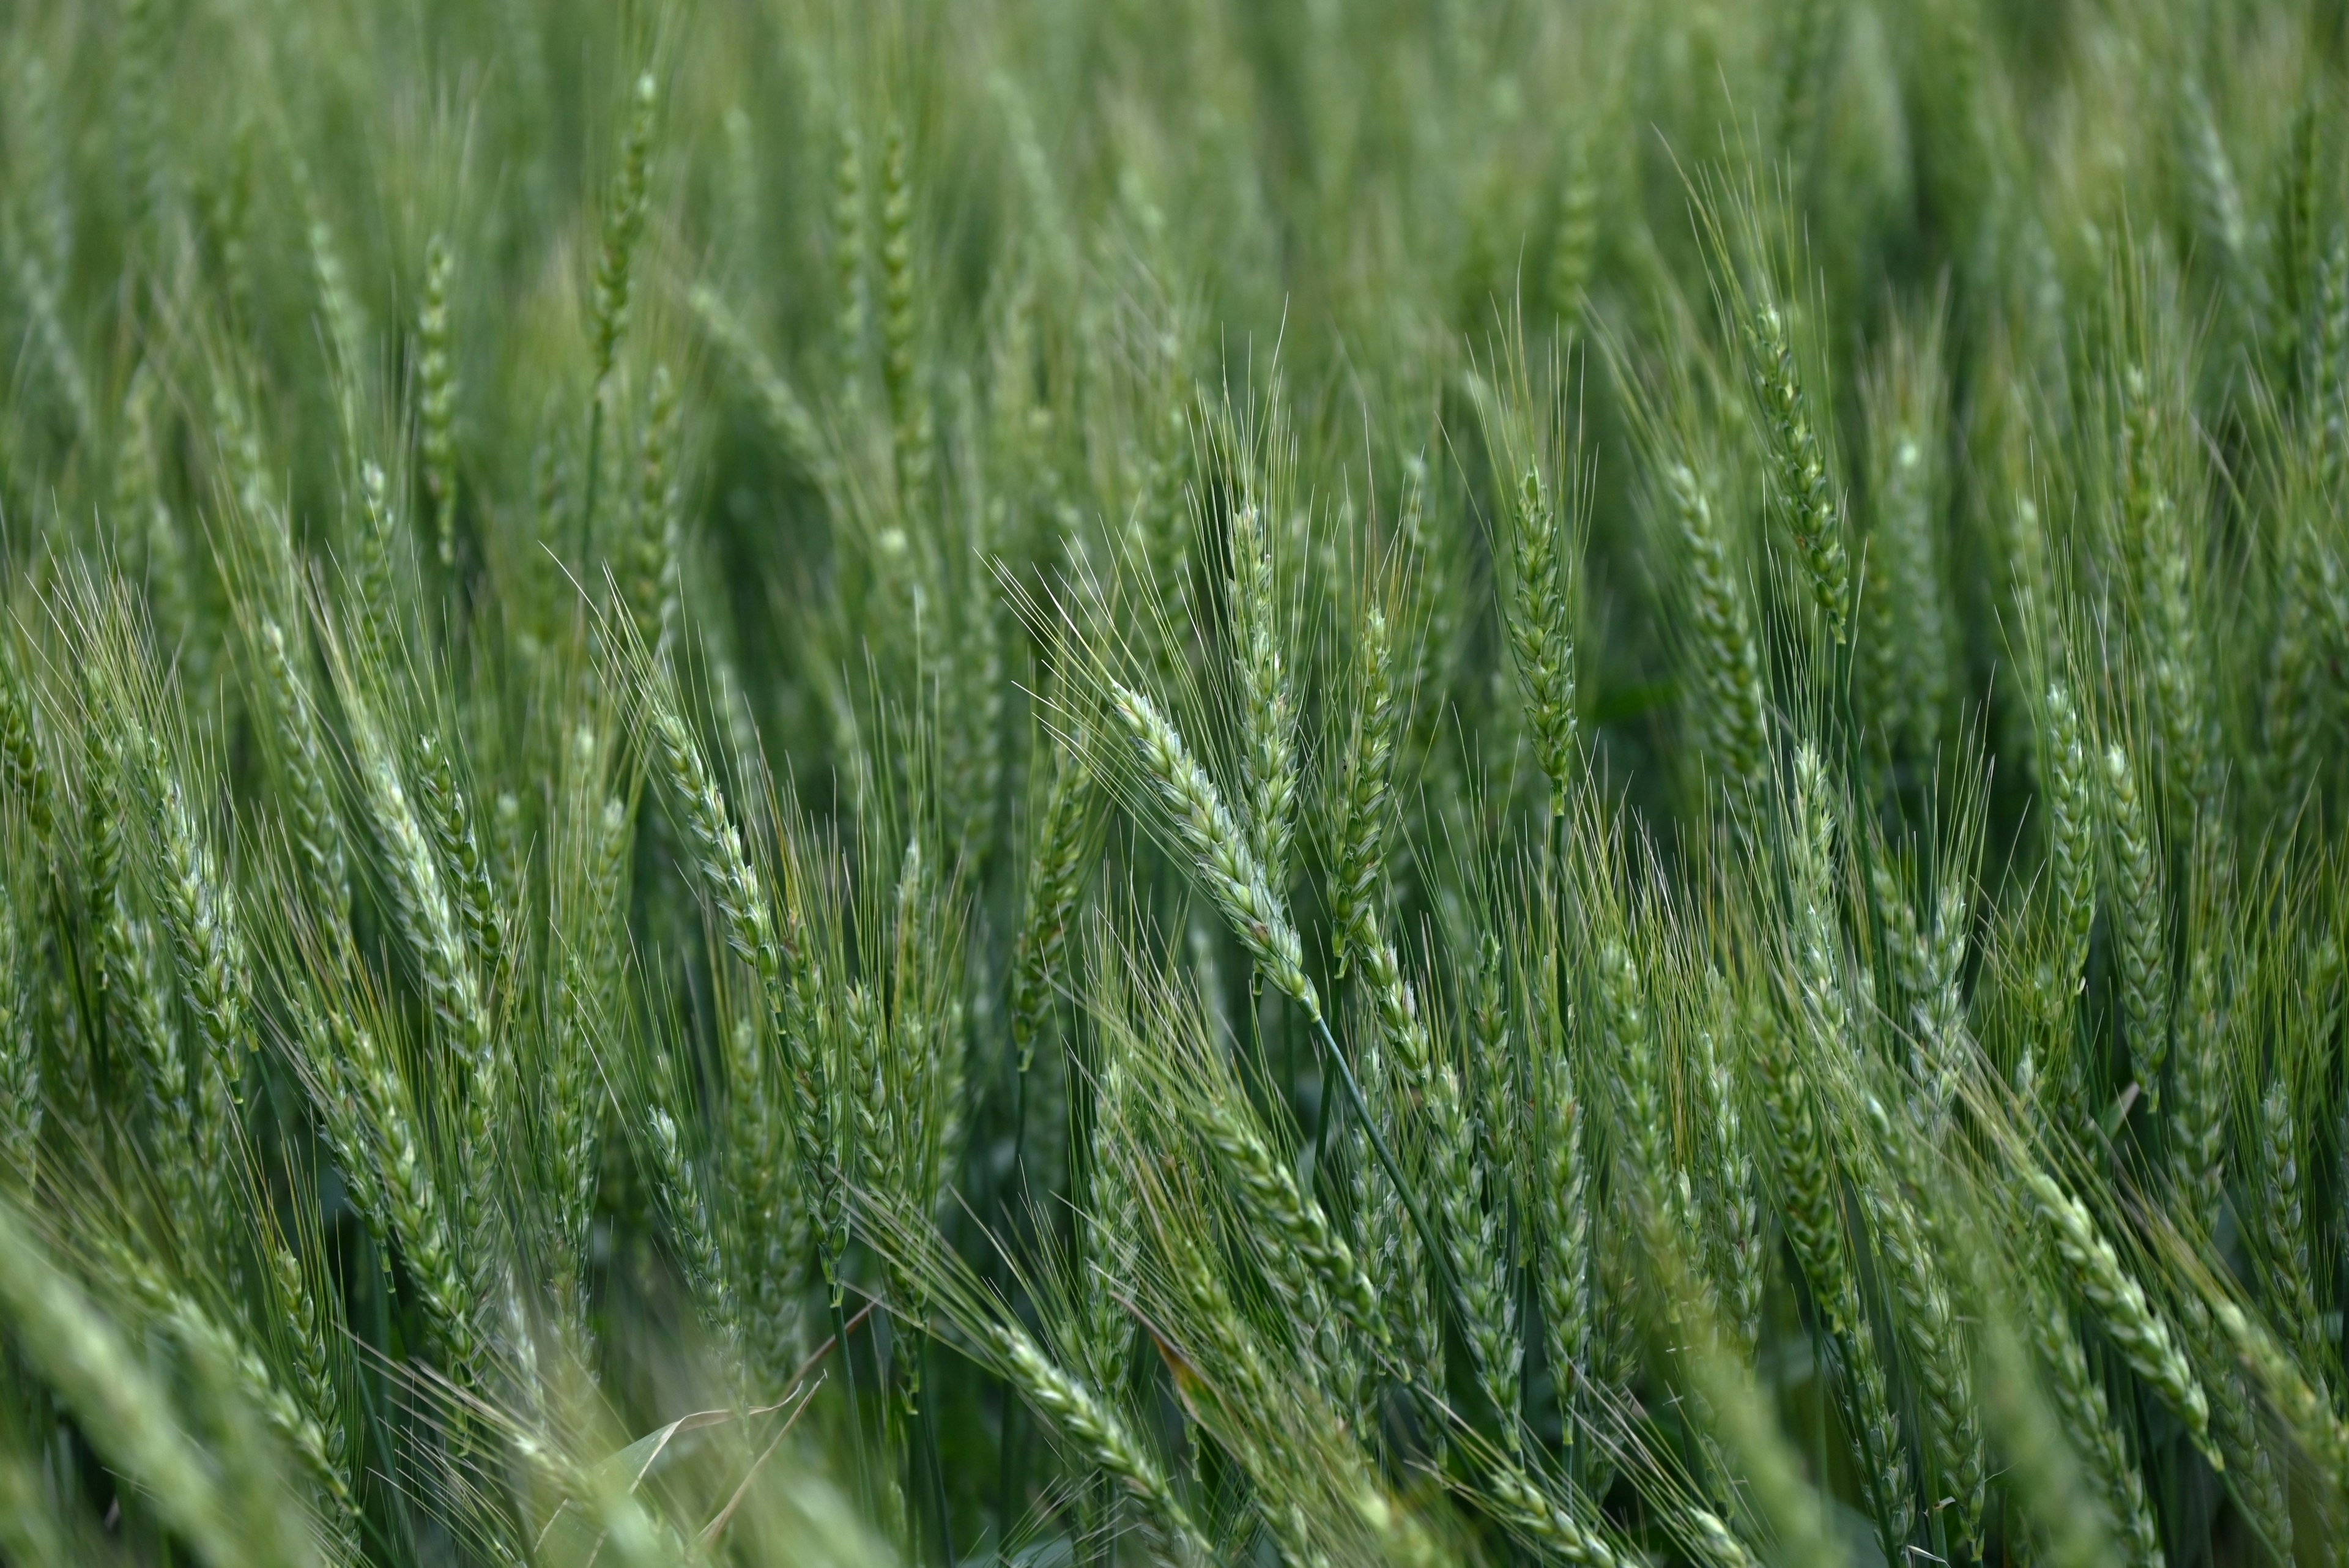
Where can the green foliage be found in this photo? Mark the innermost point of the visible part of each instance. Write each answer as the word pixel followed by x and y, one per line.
pixel 1234 782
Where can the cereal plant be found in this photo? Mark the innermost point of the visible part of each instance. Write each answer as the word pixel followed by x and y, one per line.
pixel 1234 781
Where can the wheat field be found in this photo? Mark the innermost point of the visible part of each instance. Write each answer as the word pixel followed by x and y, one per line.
pixel 1215 782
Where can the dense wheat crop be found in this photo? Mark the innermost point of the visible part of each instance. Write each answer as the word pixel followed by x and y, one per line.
pixel 1310 782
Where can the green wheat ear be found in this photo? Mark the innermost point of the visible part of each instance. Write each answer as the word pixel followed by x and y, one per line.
pixel 1055 884
pixel 1225 863
pixel 2119 1302
pixel 624 224
pixel 1539 632
pixel 1730 663
pixel 126 1415
pixel 1802 487
pixel 436 397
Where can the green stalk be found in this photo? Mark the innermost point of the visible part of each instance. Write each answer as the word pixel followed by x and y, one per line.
pixel 1007 1469
pixel 930 1428
pixel 840 1327
pixel 1320 1139
pixel 1011 1449
pixel 595 472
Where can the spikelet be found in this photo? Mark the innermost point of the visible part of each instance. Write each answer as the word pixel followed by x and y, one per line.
pixel 1469 1221
pixel 1807 32
pixel 417 1212
pixel 1055 883
pixel 1306 1254
pixel 774 1229
pixel 1561 1206
pixel 1801 486
pixel 1803 1175
pixel 2218 207
pixel 2120 1306
pixel 1268 706
pixel 134 999
pixel 624 224
pixel 2330 415
pixel 139 108
pixel 793 988
pixel 451 912
pixel 424 852
pixel 141 516
pixel 2290 706
pixel 436 375
pixel 2157 545
pixel 1807 1166
pixel 787 415
pixel 61 359
pixel 1248 1383
pixel 1735 726
pixel 106 1384
pixel 897 322
pixel 22 769
pixel 588 900
pixel 1927 1322
pixel 1617 1325
pixel 344 325
pixel 2321 1434
pixel 1226 862
pixel 376 576
pixel 2087 1420
pixel 1107 1221
pixel 1526 1508
pixel 2293 287
pixel 972 688
pixel 1574 239
pixel 1496 1092
pixel 1905 655
pixel 909 405
pixel 2141 924
pixel 1882 1448
pixel 1100 1433
pixel 650 581
pixel 199 910
pixel 1715 1541
pixel 2235 1435
pixel 1940 1018
pixel 1356 880
pixel 344 1120
pixel 694 1229
pixel 318 1434
pixel 869 1140
pixel 1539 632
pixel 1632 1063
pixel 2283 1227
pixel 2197 1112
pixel 316 827
pixel 848 259
pixel 1819 962
pixel 2072 837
